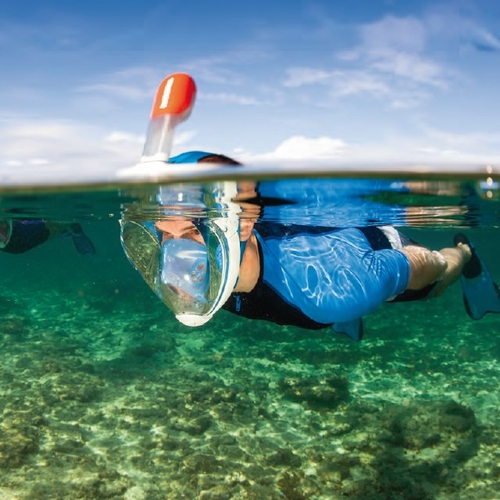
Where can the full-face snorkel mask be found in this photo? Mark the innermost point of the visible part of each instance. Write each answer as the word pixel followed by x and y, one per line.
pixel 193 279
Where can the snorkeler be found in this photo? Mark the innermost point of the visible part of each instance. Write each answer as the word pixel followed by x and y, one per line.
pixel 21 235
pixel 311 277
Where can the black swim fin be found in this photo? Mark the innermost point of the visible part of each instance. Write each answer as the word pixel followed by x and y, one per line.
pixel 481 293
pixel 353 329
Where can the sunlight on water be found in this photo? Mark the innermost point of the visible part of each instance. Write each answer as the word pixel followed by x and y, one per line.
pixel 105 395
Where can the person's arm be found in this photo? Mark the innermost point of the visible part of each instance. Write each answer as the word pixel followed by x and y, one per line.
pixel 250 266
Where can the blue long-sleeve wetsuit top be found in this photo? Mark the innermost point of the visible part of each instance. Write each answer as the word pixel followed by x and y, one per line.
pixel 312 277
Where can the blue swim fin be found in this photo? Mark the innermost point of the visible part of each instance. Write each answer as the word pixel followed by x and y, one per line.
pixel 353 329
pixel 481 293
pixel 81 241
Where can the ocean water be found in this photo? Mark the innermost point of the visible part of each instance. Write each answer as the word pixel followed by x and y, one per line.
pixel 105 395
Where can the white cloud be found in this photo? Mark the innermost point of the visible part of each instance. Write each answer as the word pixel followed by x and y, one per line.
pixel 409 98
pixel 346 83
pixel 230 98
pixel 393 34
pixel 299 147
pixel 136 83
pixel 411 67
pixel 478 141
pixel 68 151
pixel 446 24
pixel 65 151
pixel 299 76
pixel 62 149
pixel 430 148
pixel 38 161
pixel 399 48
pixel 214 70
pixel 129 92
pixel 123 137
pixel 184 137
pixel 483 40
pixel 389 62
pixel 340 82
pixel 355 82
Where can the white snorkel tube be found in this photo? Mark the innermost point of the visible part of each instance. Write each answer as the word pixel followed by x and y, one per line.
pixel 173 103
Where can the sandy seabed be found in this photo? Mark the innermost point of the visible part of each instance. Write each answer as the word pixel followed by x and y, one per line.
pixel 103 398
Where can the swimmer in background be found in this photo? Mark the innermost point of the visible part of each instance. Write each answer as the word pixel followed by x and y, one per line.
pixel 21 235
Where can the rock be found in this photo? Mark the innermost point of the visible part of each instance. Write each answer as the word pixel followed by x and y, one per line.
pixel 316 393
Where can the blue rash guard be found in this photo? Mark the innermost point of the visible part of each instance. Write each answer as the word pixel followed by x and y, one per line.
pixel 314 277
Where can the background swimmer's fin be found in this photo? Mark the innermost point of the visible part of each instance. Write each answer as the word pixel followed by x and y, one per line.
pixel 353 329
pixel 80 239
pixel 481 293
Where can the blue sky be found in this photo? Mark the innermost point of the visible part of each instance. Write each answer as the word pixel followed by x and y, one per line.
pixel 362 80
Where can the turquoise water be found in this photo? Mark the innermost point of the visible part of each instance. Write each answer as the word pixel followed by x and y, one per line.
pixel 105 395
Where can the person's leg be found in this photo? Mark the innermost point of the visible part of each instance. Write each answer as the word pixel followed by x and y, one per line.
pixel 456 258
pixel 427 267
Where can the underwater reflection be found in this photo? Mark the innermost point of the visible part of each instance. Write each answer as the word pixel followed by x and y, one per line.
pixel 312 253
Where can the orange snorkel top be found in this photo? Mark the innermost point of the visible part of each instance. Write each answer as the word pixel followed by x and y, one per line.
pixel 175 96
pixel 173 103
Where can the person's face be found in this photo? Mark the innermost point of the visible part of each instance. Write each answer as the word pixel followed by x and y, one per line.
pixel 179 228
